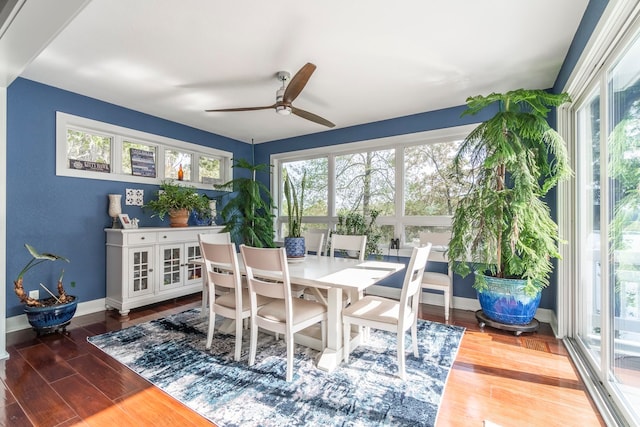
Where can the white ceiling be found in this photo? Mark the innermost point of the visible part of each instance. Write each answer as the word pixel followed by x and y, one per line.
pixel 375 59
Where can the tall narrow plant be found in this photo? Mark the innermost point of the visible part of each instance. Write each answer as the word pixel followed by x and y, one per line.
pixel 503 226
pixel 295 206
pixel 248 215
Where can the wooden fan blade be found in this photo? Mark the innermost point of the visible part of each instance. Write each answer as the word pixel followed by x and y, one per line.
pixel 310 116
pixel 241 109
pixel 298 82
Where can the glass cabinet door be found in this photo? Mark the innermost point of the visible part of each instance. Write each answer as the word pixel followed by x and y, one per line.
pixel 140 271
pixel 194 270
pixel 172 263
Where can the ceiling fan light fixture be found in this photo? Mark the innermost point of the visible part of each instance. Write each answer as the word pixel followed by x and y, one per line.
pixel 283 110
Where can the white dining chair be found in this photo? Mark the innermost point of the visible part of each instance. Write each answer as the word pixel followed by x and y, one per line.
pixel 438 281
pixel 341 242
pixel 211 238
pixel 314 242
pixel 222 270
pixel 268 276
pixel 388 314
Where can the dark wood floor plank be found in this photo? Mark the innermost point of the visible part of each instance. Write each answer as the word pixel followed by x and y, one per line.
pixel 114 383
pixel 46 362
pixel 13 416
pixel 91 405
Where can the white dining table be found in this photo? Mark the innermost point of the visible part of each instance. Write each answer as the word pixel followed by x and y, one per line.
pixel 336 275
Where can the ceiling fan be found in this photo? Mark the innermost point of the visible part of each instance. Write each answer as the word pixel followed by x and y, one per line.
pixel 287 94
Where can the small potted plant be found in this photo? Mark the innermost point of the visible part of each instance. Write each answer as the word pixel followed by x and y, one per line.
pixel 177 201
pixel 294 242
pixel 48 314
pixel 202 214
pixel 503 226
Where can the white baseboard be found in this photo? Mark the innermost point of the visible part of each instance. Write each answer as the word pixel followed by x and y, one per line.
pixel 20 322
pixel 469 304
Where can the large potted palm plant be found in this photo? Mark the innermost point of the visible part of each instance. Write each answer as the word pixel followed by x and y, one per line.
pixel 503 227
pixel 247 214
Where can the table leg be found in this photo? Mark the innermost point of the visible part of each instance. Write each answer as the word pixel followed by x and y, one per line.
pixel 332 356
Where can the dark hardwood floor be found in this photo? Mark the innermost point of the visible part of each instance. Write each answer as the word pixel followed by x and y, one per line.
pixel 61 380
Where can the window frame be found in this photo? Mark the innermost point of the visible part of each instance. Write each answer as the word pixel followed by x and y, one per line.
pixel 121 134
pixel 397 142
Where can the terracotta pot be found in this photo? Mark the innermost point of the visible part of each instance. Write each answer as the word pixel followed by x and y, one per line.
pixel 179 218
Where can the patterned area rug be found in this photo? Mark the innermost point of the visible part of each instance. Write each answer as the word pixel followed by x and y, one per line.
pixel 170 353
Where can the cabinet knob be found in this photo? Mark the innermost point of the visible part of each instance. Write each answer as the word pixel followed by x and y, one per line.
pixel 150 270
pixel 142 238
pixel 164 237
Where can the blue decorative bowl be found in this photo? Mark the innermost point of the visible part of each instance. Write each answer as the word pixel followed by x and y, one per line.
pixel 47 319
pixel 506 302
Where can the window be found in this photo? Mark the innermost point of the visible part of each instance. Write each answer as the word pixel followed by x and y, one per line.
pixel 174 161
pixel 87 150
pixel 365 181
pixel 364 176
pixel 127 154
pixel 90 149
pixel 209 169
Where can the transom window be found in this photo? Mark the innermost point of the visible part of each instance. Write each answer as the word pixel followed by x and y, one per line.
pixel 90 149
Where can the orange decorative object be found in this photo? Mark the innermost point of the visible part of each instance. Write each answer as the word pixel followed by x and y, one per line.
pixel 180 173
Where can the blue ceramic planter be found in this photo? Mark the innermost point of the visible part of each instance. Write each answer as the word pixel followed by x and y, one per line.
pixel 44 319
pixel 506 302
pixel 295 247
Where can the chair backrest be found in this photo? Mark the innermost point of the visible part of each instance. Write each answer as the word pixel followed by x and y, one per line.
pixel 267 274
pixel 409 296
pixel 221 265
pixel 436 239
pixel 314 242
pixel 215 237
pixel 348 243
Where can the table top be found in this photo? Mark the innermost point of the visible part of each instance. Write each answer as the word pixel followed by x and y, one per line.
pixel 326 272
pixel 345 273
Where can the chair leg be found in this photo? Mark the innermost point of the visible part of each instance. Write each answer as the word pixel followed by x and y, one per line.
pixel 290 344
pixel 414 337
pixel 346 335
pixel 239 325
pixel 447 301
pixel 323 332
pixel 401 355
pixel 212 325
pixel 253 342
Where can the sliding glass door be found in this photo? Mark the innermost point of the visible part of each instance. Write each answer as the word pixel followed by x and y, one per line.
pixel 607 294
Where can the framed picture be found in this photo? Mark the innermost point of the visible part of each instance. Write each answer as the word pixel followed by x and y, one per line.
pixel 125 221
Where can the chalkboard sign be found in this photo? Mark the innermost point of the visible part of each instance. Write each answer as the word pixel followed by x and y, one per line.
pixel 143 163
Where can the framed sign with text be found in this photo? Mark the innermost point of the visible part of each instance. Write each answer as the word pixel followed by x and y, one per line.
pixel 143 163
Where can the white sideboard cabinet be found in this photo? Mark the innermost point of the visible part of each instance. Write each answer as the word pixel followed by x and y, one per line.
pixel 149 265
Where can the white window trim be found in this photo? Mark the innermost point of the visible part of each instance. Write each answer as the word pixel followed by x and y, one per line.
pixel 398 220
pixel 120 134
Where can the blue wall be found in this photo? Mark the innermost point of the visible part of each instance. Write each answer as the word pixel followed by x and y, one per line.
pixel 65 215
